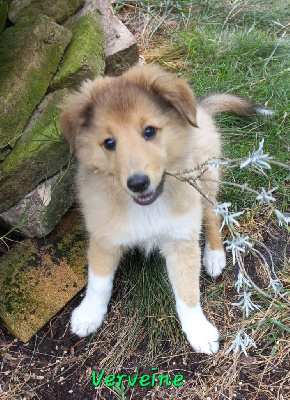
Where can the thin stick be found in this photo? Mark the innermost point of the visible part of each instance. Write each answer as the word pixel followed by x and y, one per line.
pixel 194 184
pixel 279 164
pixel 242 267
pixel 242 187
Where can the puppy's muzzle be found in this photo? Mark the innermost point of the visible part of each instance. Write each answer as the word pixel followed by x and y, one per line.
pixel 138 183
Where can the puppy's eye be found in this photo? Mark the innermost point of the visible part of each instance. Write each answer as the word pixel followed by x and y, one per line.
pixel 110 144
pixel 149 132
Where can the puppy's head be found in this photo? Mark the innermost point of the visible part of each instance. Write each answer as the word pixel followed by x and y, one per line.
pixel 134 127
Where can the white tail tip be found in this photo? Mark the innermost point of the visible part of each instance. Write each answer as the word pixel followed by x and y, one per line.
pixel 264 111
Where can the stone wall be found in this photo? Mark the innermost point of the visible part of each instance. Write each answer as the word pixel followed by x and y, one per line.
pixel 51 48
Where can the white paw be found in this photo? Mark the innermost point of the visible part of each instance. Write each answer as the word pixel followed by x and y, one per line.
pixel 203 337
pixel 85 319
pixel 214 261
pixel 201 334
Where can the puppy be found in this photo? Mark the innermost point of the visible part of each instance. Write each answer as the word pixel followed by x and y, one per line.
pixel 126 132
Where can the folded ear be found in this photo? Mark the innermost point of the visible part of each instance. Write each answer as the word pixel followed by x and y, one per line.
pixel 176 91
pixel 78 110
pixel 76 114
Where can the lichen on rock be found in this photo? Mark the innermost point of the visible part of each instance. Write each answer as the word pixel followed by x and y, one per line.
pixel 39 153
pixel 38 278
pixel 56 9
pixel 30 53
pixel 38 212
pixel 84 57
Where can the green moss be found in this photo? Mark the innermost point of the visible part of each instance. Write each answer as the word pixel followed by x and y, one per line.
pixel 84 58
pixel 56 9
pixel 30 53
pixel 36 282
pixel 72 248
pixel 13 295
pixel 38 154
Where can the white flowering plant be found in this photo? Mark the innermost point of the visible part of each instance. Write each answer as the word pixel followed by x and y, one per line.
pixel 240 244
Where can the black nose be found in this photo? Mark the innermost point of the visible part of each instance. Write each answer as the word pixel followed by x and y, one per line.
pixel 138 183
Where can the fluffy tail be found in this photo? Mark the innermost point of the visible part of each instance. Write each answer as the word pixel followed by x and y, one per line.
pixel 224 102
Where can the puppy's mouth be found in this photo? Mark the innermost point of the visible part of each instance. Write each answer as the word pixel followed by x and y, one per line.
pixel 149 198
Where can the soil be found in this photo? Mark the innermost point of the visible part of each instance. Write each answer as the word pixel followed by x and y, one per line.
pixel 55 364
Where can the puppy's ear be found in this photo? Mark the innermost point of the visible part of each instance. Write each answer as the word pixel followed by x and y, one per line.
pixel 174 90
pixel 76 114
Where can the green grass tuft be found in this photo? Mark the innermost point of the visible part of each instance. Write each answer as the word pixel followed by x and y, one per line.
pixel 228 54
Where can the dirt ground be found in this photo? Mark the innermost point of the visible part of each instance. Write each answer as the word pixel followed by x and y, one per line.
pixel 55 364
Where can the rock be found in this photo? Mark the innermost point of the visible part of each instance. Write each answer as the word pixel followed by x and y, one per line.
pixel 30 53
pixel 56 9
pixel 39 154
pixel 121 46
pixel 37 277
pixel 84 58
pixel 37 214
pixel 122 49
pixel 4 152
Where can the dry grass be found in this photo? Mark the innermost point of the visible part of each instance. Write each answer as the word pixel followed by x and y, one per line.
pixel 54 363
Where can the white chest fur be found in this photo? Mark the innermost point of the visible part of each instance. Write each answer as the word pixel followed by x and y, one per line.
pixel 113 216
pixel 149 226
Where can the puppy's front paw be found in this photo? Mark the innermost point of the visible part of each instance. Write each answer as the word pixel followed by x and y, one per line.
pixel 201 334
pixel 214 261
pixel 203 337
pixel 86 319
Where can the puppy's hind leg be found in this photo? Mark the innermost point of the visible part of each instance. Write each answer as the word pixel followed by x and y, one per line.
pixel 89 315
pixel 214 258
pixel 183 265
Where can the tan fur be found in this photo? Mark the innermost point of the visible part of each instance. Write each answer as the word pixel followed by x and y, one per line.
pixel 102 260
pixel 121 108
pixel 217 103
pixel 183 264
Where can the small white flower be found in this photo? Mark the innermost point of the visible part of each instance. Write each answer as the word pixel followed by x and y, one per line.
pixel 282 218
pixel 257 159
pixel 247 303
pixel 276 285
pixel 266 196
pixel 241 343
pixel 237 244
pixel 223 210
pixel 241 281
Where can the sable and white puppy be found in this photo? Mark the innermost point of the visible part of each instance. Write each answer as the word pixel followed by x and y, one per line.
pixel 131 129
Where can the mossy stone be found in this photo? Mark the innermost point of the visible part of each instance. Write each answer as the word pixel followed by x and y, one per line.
pixel 30 53
pixel 39 154
pixel 37 213
pixel 84 57
pixel 59 10
pixel 37 278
